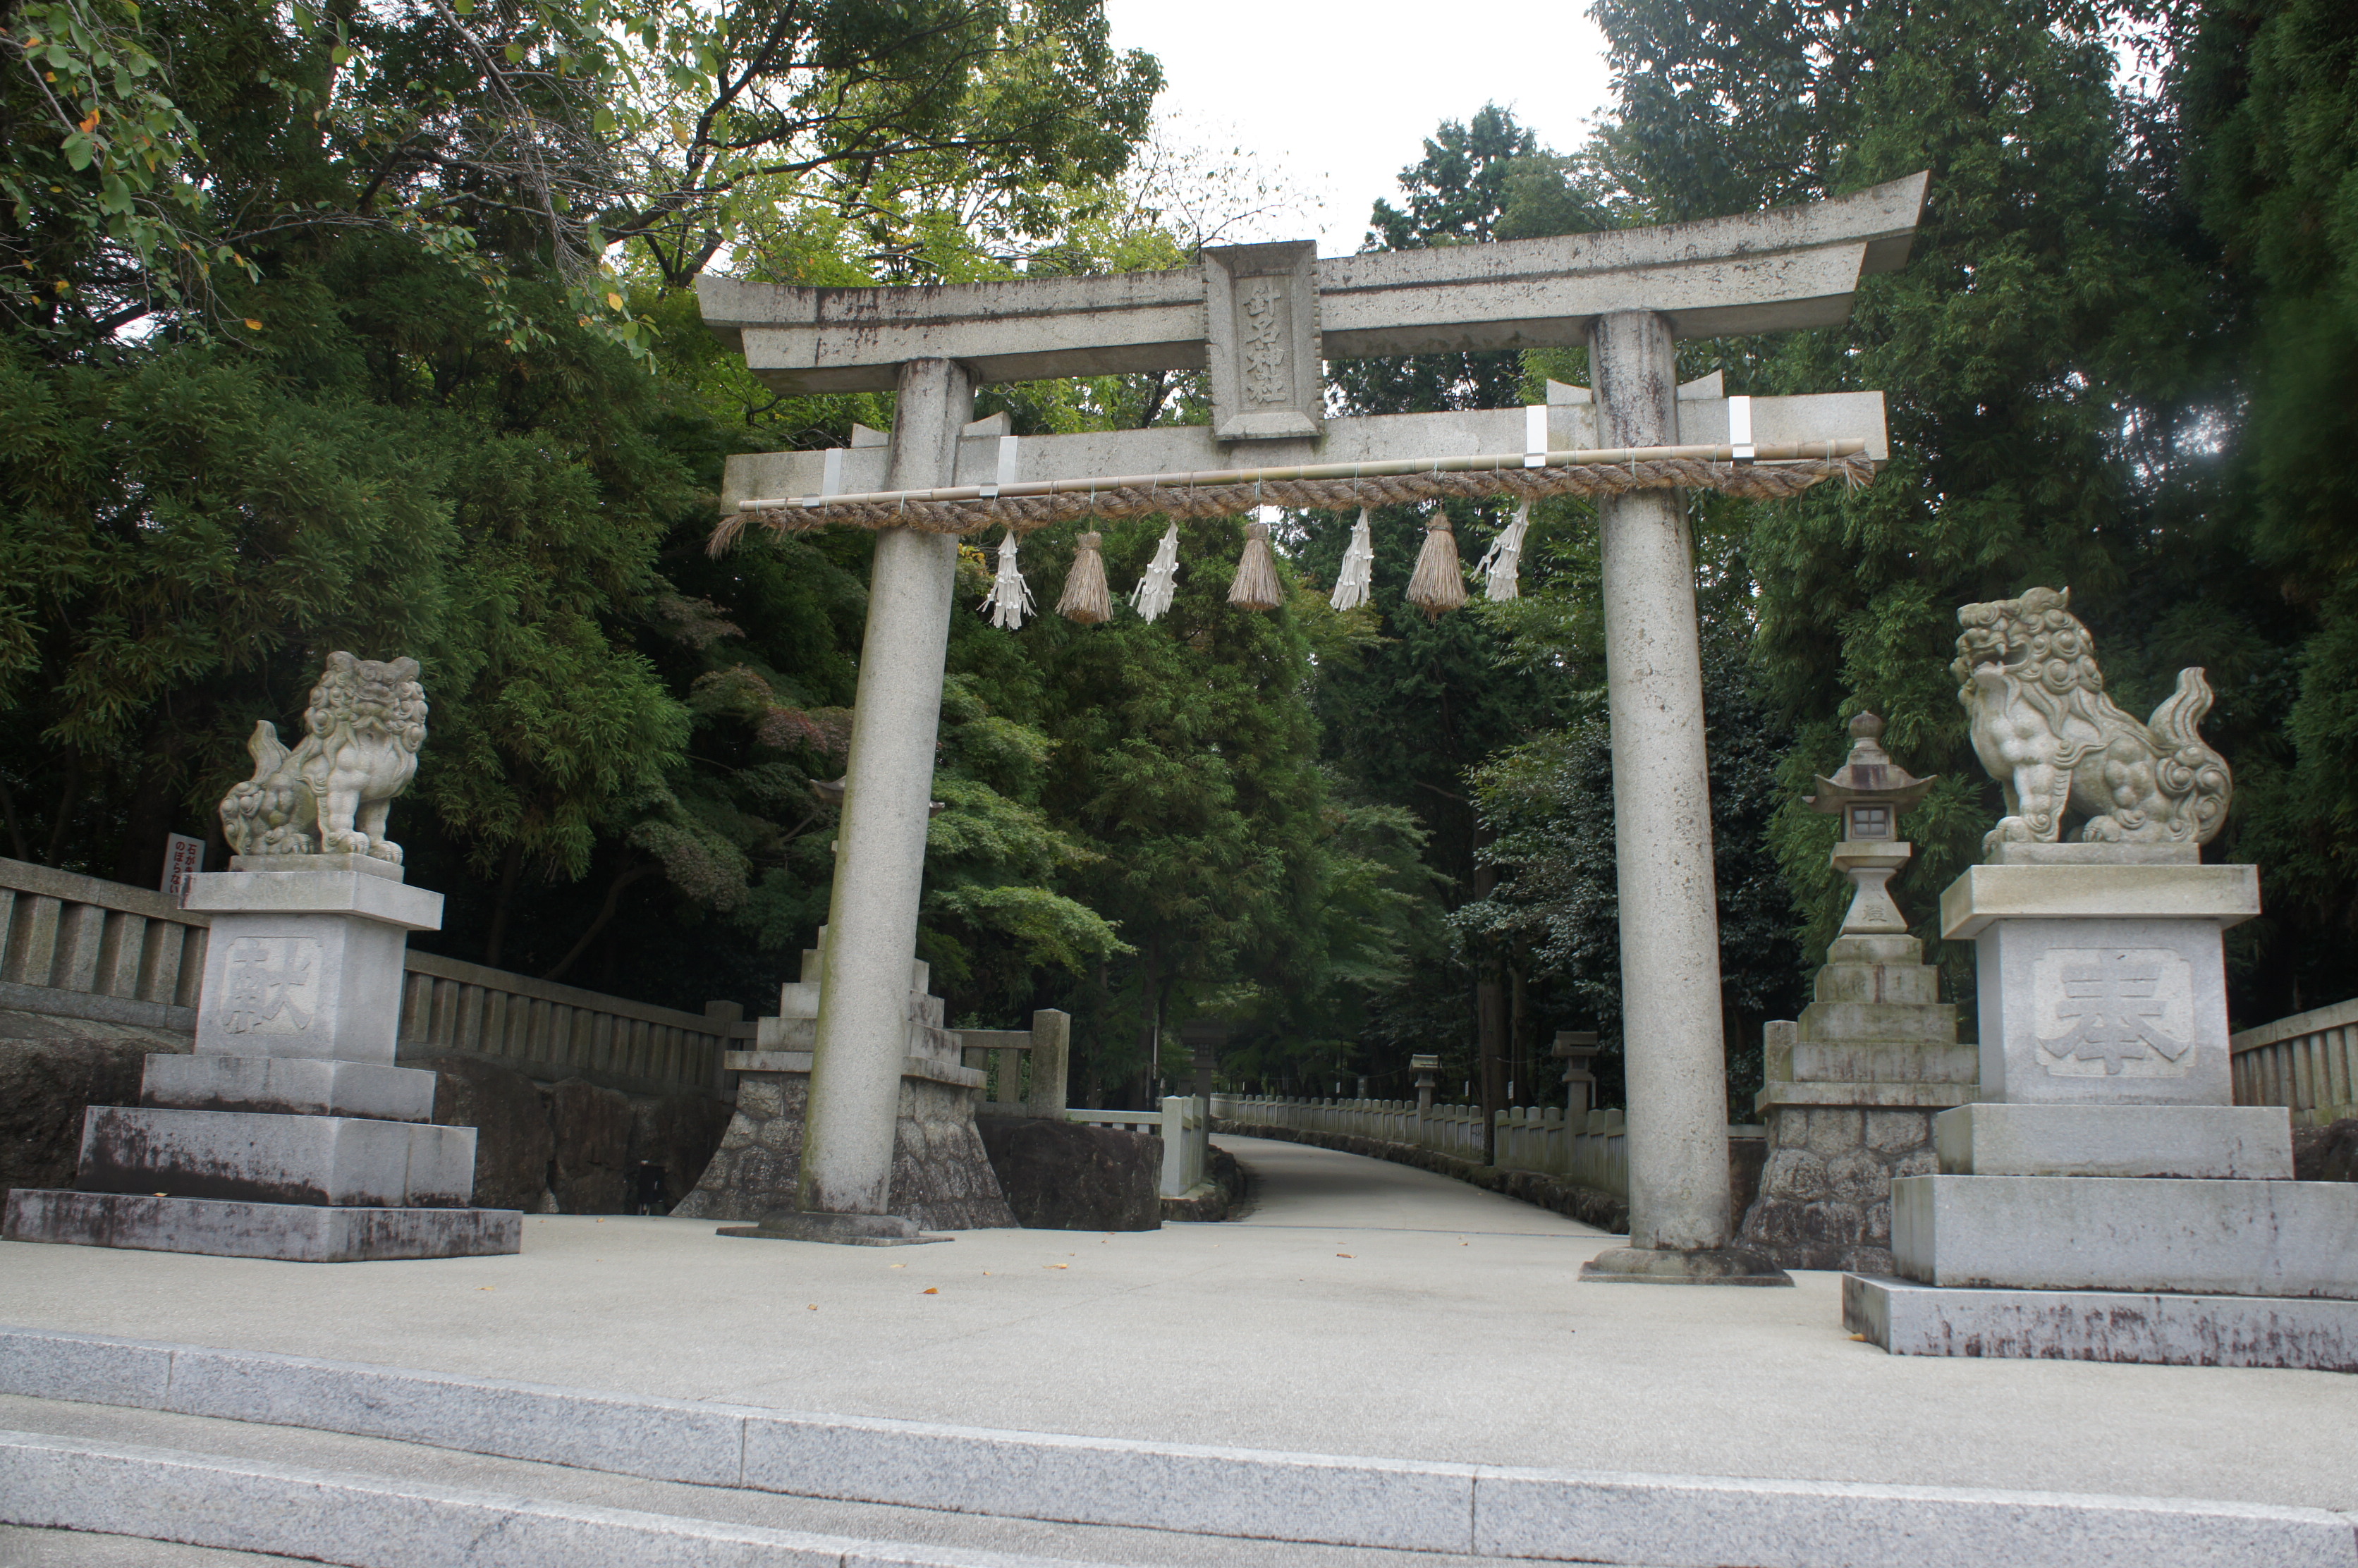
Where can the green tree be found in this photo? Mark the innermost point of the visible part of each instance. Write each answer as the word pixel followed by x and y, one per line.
pixel 2265 96
pixel 2044 353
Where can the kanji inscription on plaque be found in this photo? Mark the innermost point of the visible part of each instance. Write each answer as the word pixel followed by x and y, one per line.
pixel 2114 1013
pixel 274 984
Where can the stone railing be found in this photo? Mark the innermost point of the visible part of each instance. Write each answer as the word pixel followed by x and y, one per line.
pixel 1593 1154
pixel 547 1030
pixel 1185 1125
pixel 2307 1062
pixel 75 946
pixel 1025 1069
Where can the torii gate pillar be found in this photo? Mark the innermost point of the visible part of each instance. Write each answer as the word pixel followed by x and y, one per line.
pixel 879 858
pixel 1674 1053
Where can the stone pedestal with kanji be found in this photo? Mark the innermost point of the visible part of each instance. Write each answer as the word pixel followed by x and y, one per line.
pixel 289 1133
pixel 2108 1201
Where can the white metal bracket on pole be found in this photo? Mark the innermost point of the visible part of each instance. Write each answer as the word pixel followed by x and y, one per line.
pixel 1006 468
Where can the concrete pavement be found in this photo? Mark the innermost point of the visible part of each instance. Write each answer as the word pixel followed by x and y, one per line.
pixel 1296 1184
pixel 1363 1309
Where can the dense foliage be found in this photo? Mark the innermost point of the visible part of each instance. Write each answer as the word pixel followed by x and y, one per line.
pixel 370 327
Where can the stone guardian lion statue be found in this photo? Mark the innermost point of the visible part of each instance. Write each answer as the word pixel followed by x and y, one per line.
pixel 2042 725
pixel 329 795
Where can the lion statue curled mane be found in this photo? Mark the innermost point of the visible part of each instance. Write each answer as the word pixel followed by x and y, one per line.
pixel 2042 725
pixel 329 795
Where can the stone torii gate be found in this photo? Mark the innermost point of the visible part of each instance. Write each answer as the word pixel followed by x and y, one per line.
pixel 1259 319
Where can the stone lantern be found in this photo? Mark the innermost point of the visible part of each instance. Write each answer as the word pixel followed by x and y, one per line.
pixel 1850 1087
pixel 1575 1048
pixel 1425 1068
pixel 1869 791
pixel 1204 1039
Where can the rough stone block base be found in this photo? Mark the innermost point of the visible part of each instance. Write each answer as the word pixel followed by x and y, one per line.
pixel 942 1178
pixel 1825 1192
pixel 2158 1329
pixel 295 1233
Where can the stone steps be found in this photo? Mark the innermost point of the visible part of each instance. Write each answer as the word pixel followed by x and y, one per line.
pixel 1246 1499
pixel 371 1522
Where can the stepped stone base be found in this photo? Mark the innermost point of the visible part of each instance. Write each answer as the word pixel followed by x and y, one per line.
pixel 2117 1233
pixel 295 1233
pixel 288 1086
pixel 942 1178
pixel 243 1156
pixel 1851 1091
pixel 2237 1143
pixel 2152 1327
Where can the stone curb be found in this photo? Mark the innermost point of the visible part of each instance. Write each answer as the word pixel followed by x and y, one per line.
pixel 1670 1521
pixel 364 1521
pixel 1586 1204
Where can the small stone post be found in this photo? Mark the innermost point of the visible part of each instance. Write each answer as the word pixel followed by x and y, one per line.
pixel 1052 1037
pixel 723 1014
pixel 1676 1058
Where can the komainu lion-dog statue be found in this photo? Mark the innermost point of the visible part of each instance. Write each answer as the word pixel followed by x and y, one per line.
pixel 329 795
pixel 2042 725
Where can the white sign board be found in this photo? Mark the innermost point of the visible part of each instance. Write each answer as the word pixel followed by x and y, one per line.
pixel 183 858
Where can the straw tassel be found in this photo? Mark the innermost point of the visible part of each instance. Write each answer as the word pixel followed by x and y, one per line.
pixel 1501 563
pixel 1256 583
pixel 1439 582
pixel 1154 591
pixel 1011 597
pixel 1086 599
pixel 1359 568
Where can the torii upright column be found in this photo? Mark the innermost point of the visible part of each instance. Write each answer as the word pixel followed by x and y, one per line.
pixel 1674 1053
pixel 863 1012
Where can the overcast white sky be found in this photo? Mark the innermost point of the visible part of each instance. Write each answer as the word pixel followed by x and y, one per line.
pixel 1339 98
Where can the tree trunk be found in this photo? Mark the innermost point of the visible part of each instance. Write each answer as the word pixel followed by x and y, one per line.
pixel 510 868
pixel 1490 1024
pixel 1523 1074
pixel 1140 1084
pixel 65 805
pixel 139 856
pixel 605 915
pixel 15 833
pixel 1490 1011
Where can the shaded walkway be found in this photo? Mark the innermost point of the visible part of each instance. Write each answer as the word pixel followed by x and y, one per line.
pixel 1297 1184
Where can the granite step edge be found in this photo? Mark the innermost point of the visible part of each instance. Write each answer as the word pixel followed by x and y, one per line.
pixel 1704 1521
pixel 366 1521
